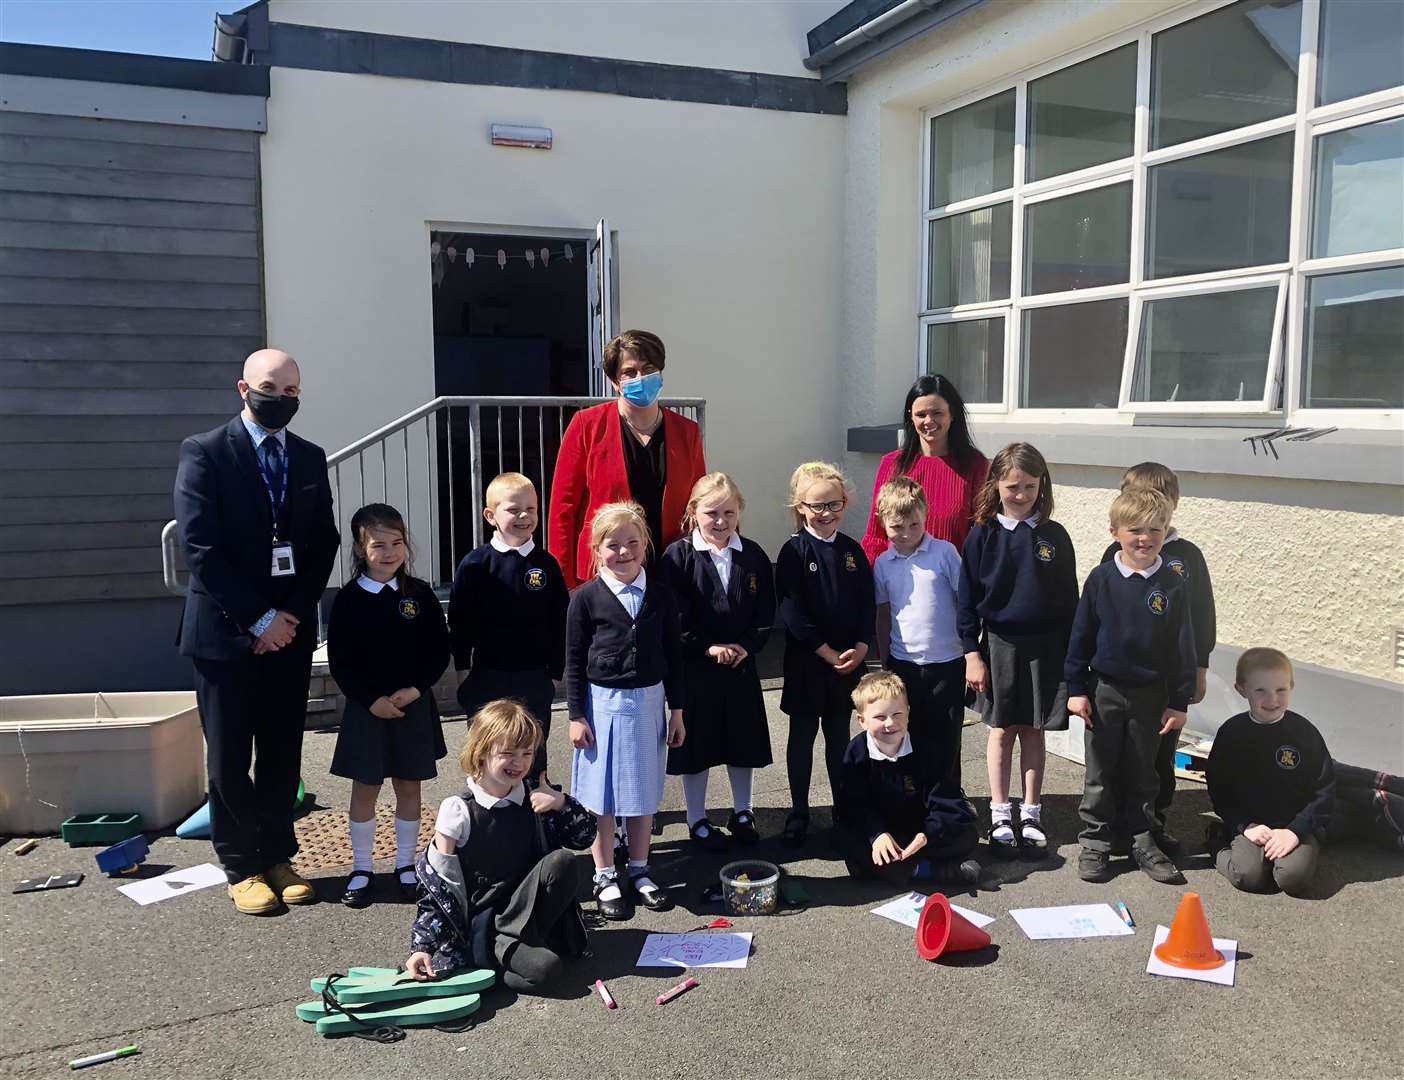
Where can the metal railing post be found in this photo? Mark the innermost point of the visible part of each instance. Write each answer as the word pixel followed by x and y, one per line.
pixel 475 482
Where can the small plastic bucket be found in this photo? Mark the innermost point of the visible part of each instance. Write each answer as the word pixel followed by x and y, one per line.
pixel 750 887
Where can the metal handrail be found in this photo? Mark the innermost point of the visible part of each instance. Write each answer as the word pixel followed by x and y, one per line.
pixel 380 436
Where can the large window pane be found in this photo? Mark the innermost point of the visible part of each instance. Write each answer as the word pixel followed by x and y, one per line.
pixel 1360 188
pixel 970 257
pixel 1221 210
pixel 1361 48
pixel 1083 115
pixel 1079 241
pixel 1230 68
pixel 1354 325
pixel 972 150
pixel 1205 348
pixel 969 353
pixel 1073 355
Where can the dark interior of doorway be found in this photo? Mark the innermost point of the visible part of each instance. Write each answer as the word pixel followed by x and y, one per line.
pixel 515 328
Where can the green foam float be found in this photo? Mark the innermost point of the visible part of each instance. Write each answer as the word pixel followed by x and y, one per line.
pixel 353 976
pixel 390 985
pixel 418 1013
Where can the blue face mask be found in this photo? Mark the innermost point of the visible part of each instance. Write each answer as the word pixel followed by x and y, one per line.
pixel 642 391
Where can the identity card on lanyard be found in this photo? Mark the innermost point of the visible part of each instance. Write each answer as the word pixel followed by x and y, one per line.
pixel 283 563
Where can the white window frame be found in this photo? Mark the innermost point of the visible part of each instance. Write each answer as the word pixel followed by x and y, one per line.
pixel 1286 364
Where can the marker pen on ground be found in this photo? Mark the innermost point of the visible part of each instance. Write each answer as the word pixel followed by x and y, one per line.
pixel 108 1055
pixel 605 995
pixel 1125 914
pixel 682 988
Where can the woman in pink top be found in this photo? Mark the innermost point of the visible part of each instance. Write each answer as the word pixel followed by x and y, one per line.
pixel 937 453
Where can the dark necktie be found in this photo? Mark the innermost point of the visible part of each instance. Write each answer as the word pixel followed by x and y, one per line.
pixel 273 469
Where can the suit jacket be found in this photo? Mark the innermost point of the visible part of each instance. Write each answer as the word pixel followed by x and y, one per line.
pixel 590 472
pixel 225 527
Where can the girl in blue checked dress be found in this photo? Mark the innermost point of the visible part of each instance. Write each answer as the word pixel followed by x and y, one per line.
pixel 623 670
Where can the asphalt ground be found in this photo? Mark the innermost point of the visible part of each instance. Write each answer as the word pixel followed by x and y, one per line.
pixel 830 990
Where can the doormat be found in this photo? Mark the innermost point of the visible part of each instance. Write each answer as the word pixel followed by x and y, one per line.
pixel 325 844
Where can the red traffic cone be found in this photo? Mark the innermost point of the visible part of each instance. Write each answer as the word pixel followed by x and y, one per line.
pixel 941 930
pixel 1189 944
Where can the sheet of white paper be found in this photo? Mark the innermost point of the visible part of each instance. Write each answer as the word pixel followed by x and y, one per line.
pixel 695 950
pixel 1222 975
pixel 1071 921
pixel 174 883
pixel 906 909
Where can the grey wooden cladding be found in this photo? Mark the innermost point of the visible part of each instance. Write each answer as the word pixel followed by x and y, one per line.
pixel 130 292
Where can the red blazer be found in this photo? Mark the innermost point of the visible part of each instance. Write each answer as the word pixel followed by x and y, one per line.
pixel 590 472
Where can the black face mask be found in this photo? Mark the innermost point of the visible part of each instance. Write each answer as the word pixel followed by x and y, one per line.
pixel 272 412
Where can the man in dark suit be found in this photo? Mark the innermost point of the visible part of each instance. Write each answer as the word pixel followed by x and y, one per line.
pixel 254 509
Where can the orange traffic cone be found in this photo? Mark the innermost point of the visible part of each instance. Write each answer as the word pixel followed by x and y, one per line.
pixel 1189 944
pixel 941 930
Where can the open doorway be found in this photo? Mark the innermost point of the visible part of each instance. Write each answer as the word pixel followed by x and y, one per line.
pixel 511 319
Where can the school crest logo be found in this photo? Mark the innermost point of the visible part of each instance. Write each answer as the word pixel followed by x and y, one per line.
pixel 409 608
pixel 908 787
pixel 1044 551
pixel 1157 601
pixel 535 579
pixel 849 563
pixel 752 584
pixel 1288 757
pixel 1178 565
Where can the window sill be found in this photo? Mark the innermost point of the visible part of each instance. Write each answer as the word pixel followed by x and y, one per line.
pixel 1362 457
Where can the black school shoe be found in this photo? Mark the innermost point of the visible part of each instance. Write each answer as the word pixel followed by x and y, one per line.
pixel 655 899
pixel 359 898
pixel 1157 865
pixel 1004 849
pixel 962 873
pixel 1094 866
pixel 796 830
pixel 616 910
pixel 742 827
pixel 707 836
pixel 408 892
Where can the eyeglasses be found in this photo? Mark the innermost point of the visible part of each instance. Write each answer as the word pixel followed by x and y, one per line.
pixel 825 508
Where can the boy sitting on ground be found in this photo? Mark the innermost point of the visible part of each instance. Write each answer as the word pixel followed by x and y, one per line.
pixel 893 802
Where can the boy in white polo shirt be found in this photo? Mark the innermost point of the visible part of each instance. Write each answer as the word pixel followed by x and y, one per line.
pixel 916 581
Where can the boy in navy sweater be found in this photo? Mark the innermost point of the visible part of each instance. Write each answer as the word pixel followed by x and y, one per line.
pixel 1271 781
pixel 1130 673
pixel 1186 560
pixel 895 801
pixel 507 610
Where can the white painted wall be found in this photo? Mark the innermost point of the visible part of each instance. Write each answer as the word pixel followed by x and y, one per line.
pixel 739 35
pixel 728 248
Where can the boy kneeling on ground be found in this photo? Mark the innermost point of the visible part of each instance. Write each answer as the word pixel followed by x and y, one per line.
pixel 1271 781
pixel 893 802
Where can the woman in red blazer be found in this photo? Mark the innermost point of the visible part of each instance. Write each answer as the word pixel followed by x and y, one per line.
pixel 626 449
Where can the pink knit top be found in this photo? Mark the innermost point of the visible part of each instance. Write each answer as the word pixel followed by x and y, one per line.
pixel 950 494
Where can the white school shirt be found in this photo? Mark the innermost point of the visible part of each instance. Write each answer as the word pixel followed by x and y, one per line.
pixel 632 604
pixel 720 559
pixel 1010 524
pixel 1126 571
pixel 875 752
pixel 454 821
pixel 921 587
pixel 499 544
pixel 369 583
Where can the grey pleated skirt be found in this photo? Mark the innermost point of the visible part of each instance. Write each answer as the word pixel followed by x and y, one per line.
pixel 1026 684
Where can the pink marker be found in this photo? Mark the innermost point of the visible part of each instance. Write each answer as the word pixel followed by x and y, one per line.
pixel 682 988
pixel 605 995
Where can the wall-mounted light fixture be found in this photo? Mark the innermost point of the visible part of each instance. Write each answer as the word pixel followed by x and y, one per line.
pixel 533 138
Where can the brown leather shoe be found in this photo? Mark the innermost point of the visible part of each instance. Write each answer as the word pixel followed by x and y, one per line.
pixel 286 882
pixel 252 896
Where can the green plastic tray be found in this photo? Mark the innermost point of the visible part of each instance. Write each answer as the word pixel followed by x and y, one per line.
pixel 405 1013
pixel 83 829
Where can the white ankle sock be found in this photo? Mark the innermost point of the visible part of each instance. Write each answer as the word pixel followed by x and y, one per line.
pixel 609 878
pixel 406 846
pixel 1031 812
pixel 740 787
pixel 695 794
pixel 639 876
pixel 1000 811
pixel 362 840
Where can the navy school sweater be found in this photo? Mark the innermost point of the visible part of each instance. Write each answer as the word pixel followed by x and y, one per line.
pixel 1133 631
pixel 902 797
pixel 507 611
pixel 1187 560
pixel 604 646
pixel 1279 775
pixel 1016 581
pixel 825 593
pixel 743 613
pixel 381 642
